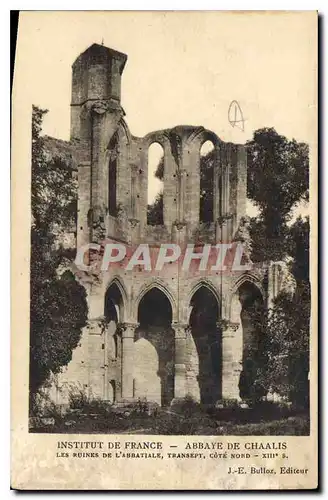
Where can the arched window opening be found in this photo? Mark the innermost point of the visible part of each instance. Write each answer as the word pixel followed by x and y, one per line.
pixel 253 332
pixel 155 185
pixel 154 347
pixel 113 303
pixel 113 314
pixel 115 345
pixel 112 391
pixel 155 309
pixel 204 366
pixel 112 174
pixel 207 160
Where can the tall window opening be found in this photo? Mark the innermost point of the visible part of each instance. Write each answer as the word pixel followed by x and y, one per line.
pixel 155 185
pixel 207 160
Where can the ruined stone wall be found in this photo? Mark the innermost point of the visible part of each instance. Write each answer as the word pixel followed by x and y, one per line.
pixel 120 360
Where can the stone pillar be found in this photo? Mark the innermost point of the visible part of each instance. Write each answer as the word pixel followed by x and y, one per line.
pixel 95 361
pixel 127 330
pixel 180 361
pixel 133 199
pixel 216 185
pixel 232 358
pixel 224 228
pixel 182 190
pixel 241 181
pixel 224 222
pixel 170 192
pixel 225 182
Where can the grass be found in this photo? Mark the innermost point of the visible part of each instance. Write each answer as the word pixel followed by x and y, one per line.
pixel 184 418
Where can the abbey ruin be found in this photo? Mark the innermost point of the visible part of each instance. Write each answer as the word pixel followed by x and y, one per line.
pixel 160 335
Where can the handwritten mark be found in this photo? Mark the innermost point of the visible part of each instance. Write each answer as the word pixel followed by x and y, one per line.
pixel 235 116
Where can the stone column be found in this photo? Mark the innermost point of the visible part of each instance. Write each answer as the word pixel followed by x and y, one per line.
pixel 133 199
pixel 170 192
pixel 182 191
pixel 180 361
pixel 225 180
pixel 224 221
pixel 93 362
pixel 216 185
pixel 127 330
pixel 232 357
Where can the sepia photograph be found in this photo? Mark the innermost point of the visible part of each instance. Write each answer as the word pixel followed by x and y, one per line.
pixel 172 180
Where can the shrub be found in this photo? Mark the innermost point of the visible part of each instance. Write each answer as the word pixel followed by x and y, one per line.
pixel 42 408
pixel 77 398
pixel 80 400
pixel 186 406
pixel 227 403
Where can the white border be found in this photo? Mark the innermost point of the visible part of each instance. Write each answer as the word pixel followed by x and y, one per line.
pixel 321 6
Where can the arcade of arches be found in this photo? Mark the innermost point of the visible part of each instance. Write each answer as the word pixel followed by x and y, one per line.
pixel 160 360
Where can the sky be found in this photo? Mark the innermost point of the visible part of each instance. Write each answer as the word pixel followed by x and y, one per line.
pixel 182 68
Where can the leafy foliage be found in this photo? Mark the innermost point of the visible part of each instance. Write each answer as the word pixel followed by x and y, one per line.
pixel 252 385
pixel 277 178
pixel 288 346
pixel 299 248
pixel 155 211
pixel 206 195
pixel 58 308
pixel 288 327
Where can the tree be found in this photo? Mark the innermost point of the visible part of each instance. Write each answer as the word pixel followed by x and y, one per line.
pixel 206 195
pixel 253 385
pixel 58 308
pixel 288 327
pixel 287 336
pixel 277 178
pixel 155 211
pixel 299 249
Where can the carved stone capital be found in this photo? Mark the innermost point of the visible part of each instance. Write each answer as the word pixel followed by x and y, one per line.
pixel 96 326
pixel 180 330
pixel 101 106
pixel 225 325
pixel 127 330
pixel 233 326
pixel 180 225
pixel 134 222
pixel 222 324
pixel 224 218
pixel 181 172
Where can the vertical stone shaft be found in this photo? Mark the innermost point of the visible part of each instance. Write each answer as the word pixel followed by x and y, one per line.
pixel 232 355
pixel 134 205
pixel 128 330
pixel 180 361
pixel 216 185
pixel 182 189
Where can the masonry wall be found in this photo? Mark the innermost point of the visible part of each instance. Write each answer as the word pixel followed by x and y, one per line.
pixel 119 360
